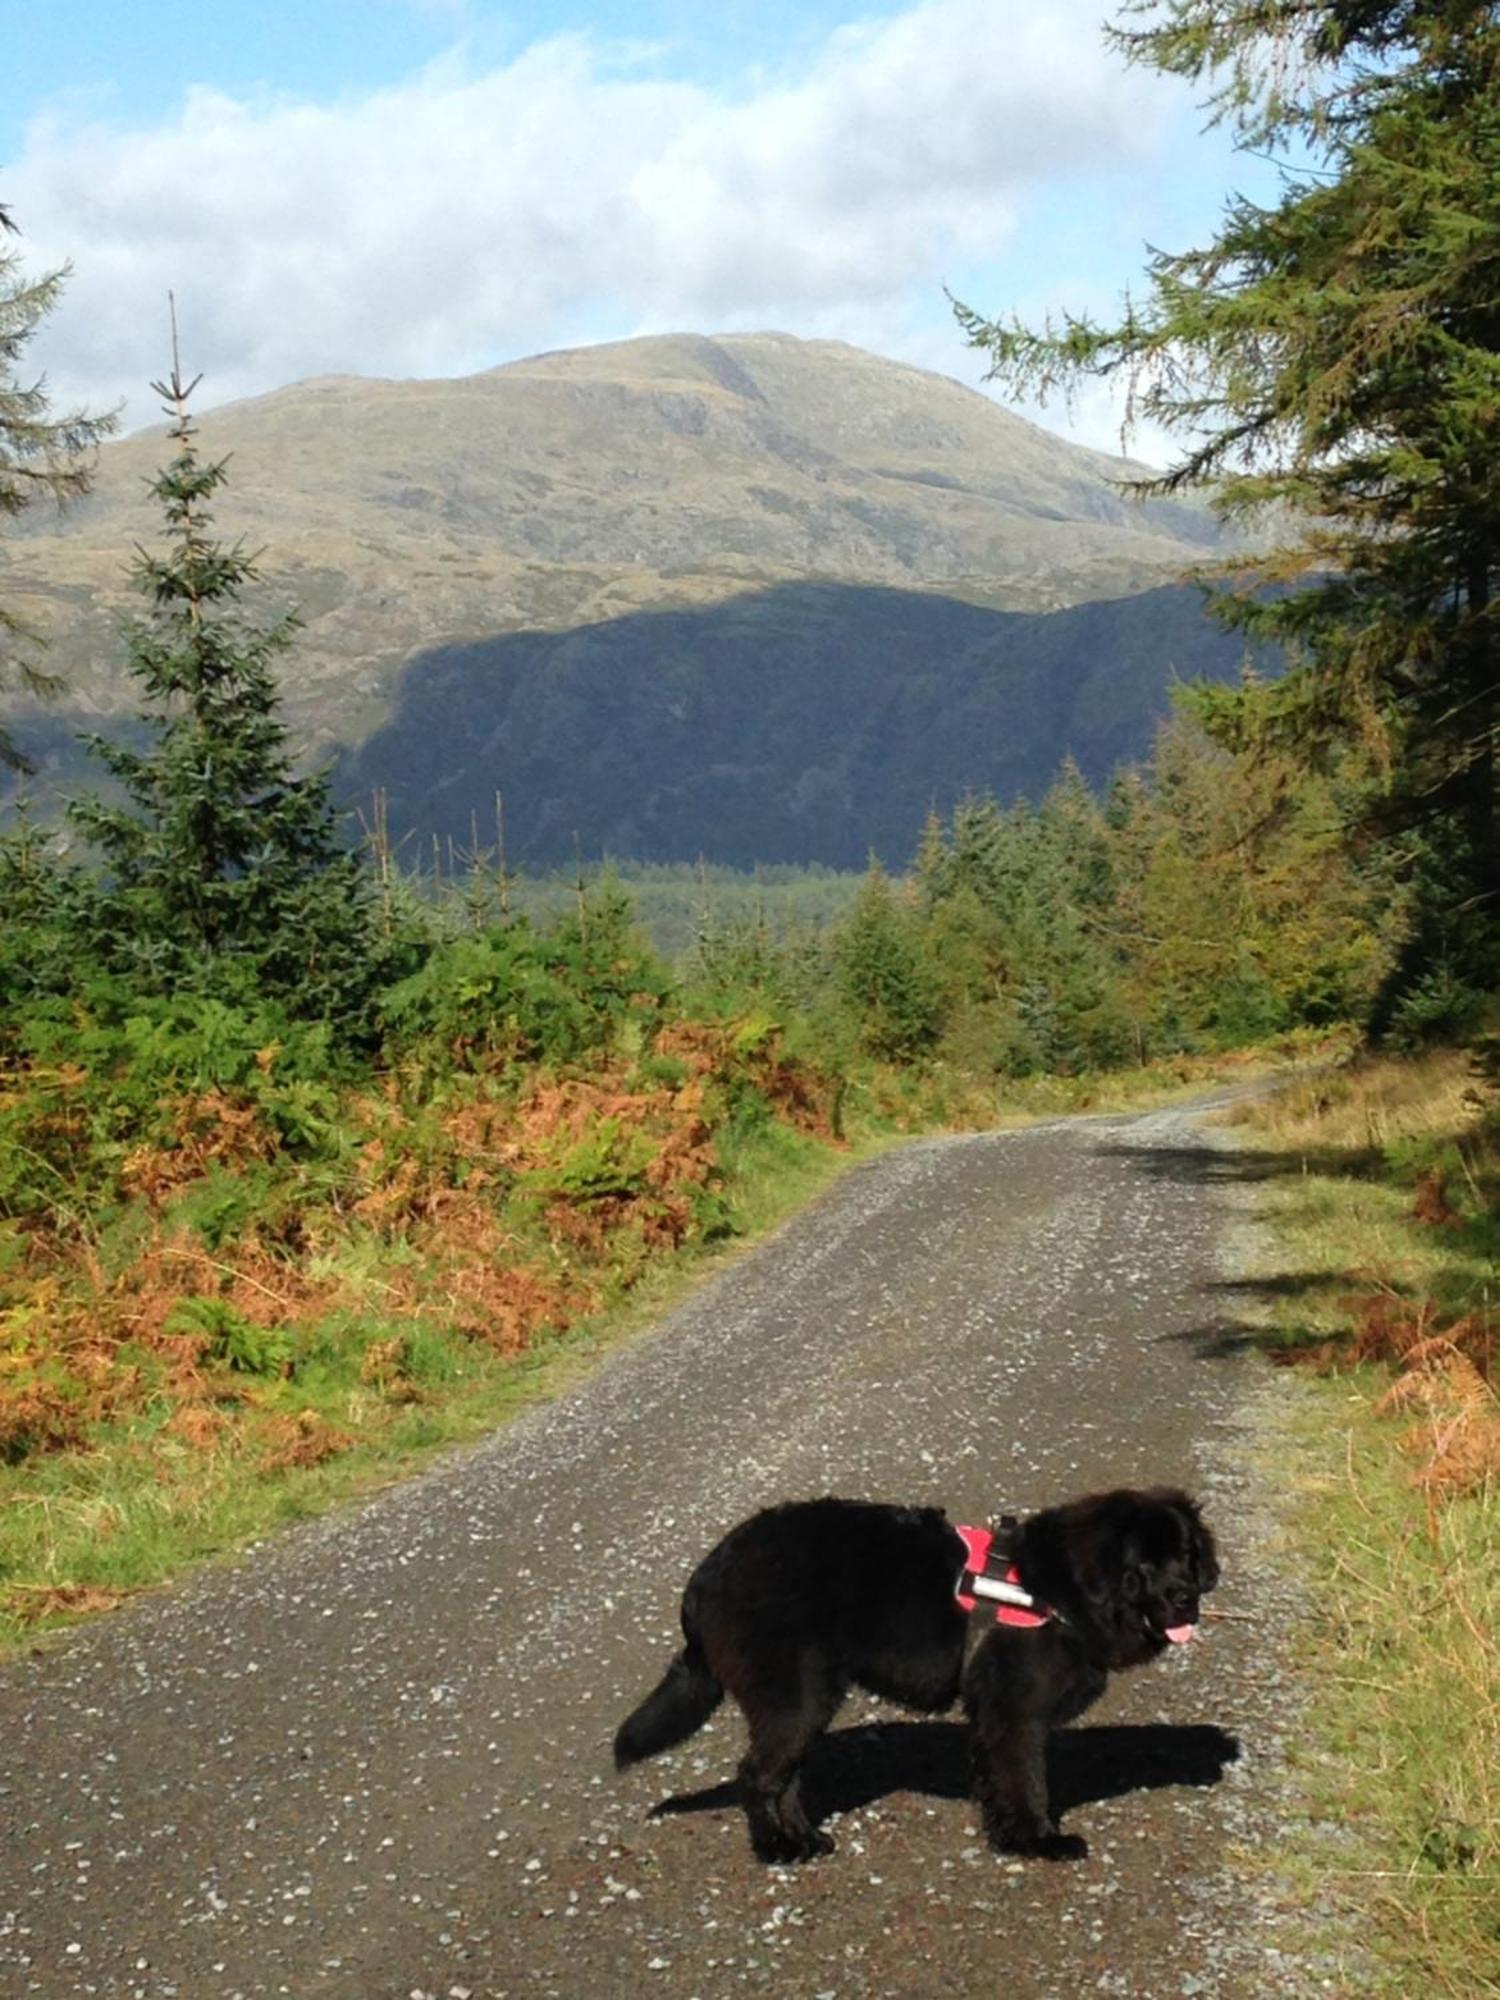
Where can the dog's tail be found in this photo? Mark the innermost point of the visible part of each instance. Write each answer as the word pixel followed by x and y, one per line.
pixel 682 1701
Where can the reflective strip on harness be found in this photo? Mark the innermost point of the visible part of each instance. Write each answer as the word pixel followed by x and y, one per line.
pixel 991 1577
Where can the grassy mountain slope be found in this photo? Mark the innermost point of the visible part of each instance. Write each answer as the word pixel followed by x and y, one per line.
pixel 677 475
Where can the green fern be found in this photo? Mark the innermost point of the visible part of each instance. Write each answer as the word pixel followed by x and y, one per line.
pixel 235 1340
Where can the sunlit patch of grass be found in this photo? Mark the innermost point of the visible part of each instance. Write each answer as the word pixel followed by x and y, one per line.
pixel 1372 1261
pixel 1363 1106
pixel 1402 1734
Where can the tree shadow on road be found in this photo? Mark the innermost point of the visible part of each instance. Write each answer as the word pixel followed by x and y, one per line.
pixel 851 1768
pixel 1204 1164
pixel 1222 1338
pixel 1285 1334
pixel 1216 1340
pixel 1214 1166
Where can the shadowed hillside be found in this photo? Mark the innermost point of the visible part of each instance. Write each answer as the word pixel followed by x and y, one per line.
pixel 775 565
pixel 808 723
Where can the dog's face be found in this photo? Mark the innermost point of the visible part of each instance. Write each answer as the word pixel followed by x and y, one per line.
pixel 1130 1565
pixel 1167 1563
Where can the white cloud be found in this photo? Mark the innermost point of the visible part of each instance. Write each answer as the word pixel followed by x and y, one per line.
pixel 463 219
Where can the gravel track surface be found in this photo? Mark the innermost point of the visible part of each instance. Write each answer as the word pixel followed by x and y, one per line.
pixel 370 1759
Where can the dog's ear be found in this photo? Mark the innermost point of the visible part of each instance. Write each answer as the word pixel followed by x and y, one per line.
pixel 1130 1580
pixel 1068 1555
pixel 1202 1555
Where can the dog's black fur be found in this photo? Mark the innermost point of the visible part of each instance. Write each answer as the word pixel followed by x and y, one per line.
pixel 802 1602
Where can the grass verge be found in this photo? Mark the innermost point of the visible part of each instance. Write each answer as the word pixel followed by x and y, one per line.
pixel 1379 1186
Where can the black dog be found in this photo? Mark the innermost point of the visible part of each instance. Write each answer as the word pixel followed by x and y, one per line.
pixel 802 1602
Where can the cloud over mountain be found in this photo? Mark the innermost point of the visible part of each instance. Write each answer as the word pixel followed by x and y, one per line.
pixel 577 191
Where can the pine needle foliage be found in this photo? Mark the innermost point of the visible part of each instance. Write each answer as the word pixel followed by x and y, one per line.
pixel 884 974
pixel 1331 363
pixel 42 455
pixel 223 869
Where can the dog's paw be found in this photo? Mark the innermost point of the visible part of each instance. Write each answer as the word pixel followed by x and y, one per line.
pixel 785 1849
pixel 808 1846
pixel 1061 1847
pixel 1041 1843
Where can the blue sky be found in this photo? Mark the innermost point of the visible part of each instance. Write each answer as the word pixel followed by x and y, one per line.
pixel 134 64
pixel 412 187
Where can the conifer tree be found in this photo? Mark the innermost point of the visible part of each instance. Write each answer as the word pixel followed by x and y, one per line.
pixel 884 972
pixel 42 455
pixel 934 861
pixel 224 868
pixel 1335 355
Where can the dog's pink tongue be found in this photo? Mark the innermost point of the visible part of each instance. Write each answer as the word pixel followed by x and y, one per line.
pixel 1180 1634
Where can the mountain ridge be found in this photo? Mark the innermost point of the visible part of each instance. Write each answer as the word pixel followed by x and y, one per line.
pixel 564 492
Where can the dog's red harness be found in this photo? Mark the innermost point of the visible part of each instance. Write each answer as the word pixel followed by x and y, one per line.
pixel 989 1573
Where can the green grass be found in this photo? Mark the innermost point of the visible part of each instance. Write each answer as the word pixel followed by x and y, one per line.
pixel 1399 1752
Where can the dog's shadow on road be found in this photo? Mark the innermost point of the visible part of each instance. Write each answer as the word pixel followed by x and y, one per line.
pixel 850 1768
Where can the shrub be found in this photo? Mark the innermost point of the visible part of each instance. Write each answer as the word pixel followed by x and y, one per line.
pixel 1439 1006
pixel 514 993
pixel 231 1338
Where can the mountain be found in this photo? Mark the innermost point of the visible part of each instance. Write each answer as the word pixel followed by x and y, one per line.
pixel 659 588
pixel 809 722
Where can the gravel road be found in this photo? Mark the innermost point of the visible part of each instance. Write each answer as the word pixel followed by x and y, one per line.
pixel 370 1759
